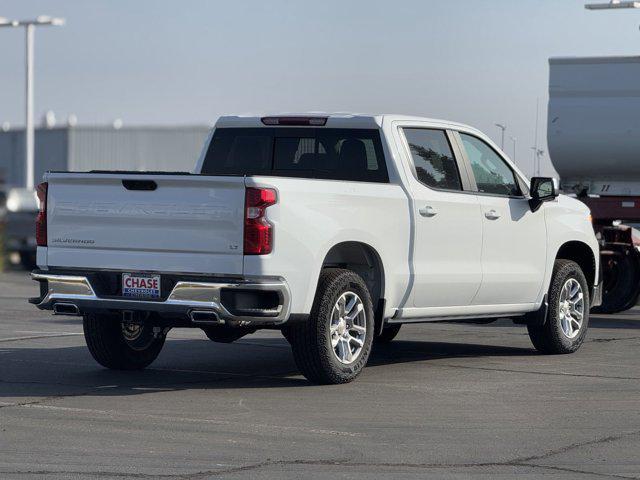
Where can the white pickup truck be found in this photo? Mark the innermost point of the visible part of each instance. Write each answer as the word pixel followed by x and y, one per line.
pixel 334 229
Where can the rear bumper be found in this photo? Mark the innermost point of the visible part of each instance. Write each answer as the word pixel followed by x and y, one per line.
pixel 201 302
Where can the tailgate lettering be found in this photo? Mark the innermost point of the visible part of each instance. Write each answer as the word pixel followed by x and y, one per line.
pixel 175 210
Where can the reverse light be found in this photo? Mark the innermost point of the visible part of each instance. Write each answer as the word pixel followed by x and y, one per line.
pixel 295 121
pixel 258 232
pixel 41 219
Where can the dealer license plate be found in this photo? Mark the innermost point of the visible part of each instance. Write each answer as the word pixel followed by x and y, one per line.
pixel 140 285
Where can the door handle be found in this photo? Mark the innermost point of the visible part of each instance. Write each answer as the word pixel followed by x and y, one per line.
pixel 428 211
pixel 492 215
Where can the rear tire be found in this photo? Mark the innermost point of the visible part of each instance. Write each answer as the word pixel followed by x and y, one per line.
pixel 566 326
pixel 119 346
pixel 388 333
pixel 333 346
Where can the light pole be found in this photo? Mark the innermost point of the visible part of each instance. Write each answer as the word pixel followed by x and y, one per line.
pixel 513 139
pixel 535 138
pixel 537 154
pixel 30 25
pixel 502 128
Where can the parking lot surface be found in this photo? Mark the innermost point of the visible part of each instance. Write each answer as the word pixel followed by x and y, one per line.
pixel 441 401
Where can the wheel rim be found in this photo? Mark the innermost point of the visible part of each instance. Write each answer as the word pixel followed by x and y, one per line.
pixel 131 331
pixel 571 308
pixel 136 336
pixel 348 327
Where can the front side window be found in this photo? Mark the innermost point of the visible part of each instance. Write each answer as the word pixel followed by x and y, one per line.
pixel 491 172
pixel 433 159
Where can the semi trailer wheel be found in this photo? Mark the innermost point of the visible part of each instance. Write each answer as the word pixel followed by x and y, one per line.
pixel 621 280
pixel 333 346
pixel 119 345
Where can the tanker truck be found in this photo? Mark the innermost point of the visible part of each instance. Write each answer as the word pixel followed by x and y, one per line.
pixel 593 136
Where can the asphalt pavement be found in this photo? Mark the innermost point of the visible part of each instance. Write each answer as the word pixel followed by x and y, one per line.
pixel 441 401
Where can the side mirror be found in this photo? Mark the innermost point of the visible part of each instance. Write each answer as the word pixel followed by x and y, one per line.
pixel 543 189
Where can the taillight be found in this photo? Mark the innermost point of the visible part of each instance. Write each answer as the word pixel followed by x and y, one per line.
pixel 295 121
pixel 258 232
pixel 41 219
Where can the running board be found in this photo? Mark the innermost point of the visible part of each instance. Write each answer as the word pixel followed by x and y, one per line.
pixel 454 318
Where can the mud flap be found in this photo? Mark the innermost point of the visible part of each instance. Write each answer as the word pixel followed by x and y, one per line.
pixel 379 321
pixel 596 298
pixel 538 318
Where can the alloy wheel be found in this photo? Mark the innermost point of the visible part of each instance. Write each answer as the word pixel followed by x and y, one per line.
pixel 571 308
pixel 348 327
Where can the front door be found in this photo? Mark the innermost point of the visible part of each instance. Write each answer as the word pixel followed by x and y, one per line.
pixel 514 246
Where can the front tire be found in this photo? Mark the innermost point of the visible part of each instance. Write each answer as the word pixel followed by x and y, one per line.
pixel 121 346
pixel 334 345
pixel 568 317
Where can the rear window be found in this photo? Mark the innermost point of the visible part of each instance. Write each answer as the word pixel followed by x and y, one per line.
pixel 326 153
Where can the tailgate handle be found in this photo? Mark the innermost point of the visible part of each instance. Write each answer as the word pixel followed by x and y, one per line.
pixel 139 185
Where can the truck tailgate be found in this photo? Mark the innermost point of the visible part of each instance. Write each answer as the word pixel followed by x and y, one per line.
pixel 146 222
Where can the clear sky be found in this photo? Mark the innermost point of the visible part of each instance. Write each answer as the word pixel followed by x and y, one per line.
pixel 187 62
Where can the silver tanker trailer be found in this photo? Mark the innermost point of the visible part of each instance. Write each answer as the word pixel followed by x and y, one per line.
pixel 593 135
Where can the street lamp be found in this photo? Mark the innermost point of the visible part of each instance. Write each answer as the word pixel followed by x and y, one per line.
pixel 42 20
pixel 537 154
pixel 513 139
pixel 611 5
pixel 503 128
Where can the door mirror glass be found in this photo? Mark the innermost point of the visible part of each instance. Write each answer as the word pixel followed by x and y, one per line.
pixel 542 189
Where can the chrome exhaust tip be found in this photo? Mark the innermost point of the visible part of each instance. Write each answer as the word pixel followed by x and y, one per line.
pixel 65 309
pixel 205 317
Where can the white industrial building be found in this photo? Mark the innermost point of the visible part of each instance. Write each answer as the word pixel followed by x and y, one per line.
pixel 81 148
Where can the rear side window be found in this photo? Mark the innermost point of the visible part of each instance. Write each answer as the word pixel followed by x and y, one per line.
pixel 326 153
pixel 433 159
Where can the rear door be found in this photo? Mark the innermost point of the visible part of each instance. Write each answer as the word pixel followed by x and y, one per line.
pixel 143 222
pixel 514 244
pixel 448 227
